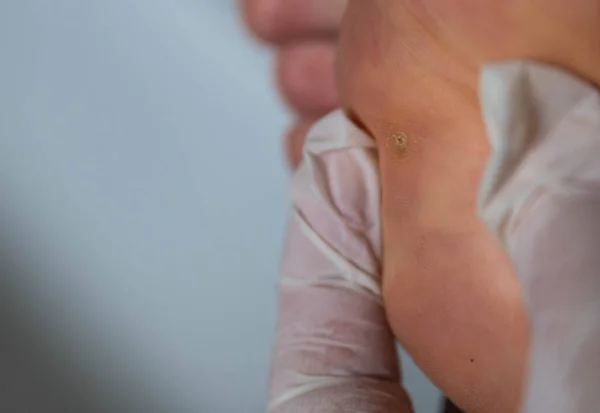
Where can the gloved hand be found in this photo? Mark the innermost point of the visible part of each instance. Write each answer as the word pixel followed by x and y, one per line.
pixel 335 351
pixel 541 198
pixel 304 35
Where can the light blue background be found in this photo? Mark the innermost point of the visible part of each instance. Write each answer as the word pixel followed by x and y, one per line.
pixel 142 206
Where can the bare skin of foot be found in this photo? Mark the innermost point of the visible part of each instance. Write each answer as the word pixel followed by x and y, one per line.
pixel 408 73
pixel 303 34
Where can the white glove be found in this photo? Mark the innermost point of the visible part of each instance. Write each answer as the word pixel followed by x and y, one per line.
pixel 335 351
pixel 541 198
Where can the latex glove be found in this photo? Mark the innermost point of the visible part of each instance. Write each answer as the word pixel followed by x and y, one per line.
pixel 335 351
pixel 541 198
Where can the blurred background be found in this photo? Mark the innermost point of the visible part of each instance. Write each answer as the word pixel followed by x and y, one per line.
pixel 142 207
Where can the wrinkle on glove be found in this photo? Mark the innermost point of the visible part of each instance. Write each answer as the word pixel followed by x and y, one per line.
pixel 335 351
pixel 541 198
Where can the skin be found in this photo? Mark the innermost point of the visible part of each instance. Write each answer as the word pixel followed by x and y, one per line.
pixel 303 35
pixel 411 67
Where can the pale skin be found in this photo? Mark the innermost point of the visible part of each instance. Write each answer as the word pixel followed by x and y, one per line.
pixel 304 36
pixel 411 67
